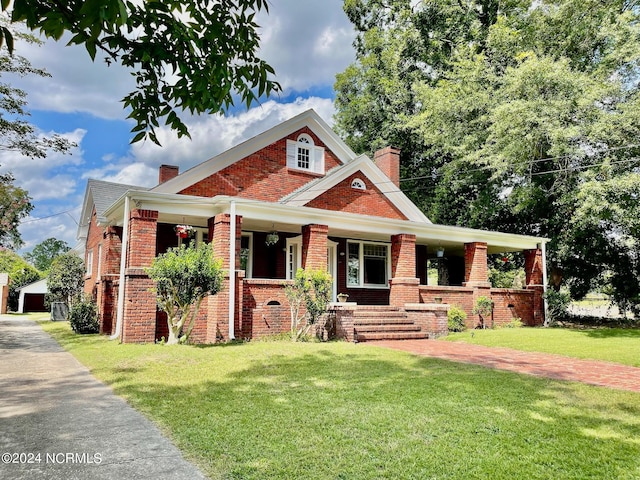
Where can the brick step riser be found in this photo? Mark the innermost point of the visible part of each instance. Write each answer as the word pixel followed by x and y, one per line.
pixel 379 314
pixel 387 328
pixel 381 321
pixel 364 337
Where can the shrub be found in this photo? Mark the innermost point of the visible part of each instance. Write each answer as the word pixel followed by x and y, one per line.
pixel 514 323
pixel 557 305
pixel 456 317
pixel 83 317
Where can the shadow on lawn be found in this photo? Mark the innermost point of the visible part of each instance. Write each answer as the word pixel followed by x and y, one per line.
pixel 611 332
pixel 363 412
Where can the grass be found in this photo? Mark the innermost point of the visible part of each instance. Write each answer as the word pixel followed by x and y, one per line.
pixel 276 410
pixel 619 345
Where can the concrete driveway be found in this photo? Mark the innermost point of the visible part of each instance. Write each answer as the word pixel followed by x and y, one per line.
pixel 58 422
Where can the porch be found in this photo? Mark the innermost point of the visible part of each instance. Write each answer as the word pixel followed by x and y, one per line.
pixel 263 244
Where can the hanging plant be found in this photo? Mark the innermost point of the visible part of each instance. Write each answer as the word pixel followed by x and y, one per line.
pixel 184 231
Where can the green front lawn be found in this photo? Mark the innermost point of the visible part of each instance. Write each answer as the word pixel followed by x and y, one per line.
pixel 342 411
pixel 619 345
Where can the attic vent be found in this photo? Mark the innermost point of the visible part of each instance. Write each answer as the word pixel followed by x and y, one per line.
pixel 358 184
pixel 273 302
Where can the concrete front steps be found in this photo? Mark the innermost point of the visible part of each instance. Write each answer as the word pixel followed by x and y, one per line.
pixel 384 323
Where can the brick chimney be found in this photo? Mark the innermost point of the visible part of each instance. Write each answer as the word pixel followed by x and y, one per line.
pixel 167 172
pixel 388 160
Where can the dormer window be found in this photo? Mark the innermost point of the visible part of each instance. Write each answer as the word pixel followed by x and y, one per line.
pixel 302 154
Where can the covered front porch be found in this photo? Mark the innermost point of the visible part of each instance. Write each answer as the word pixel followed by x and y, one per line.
pixel 376 261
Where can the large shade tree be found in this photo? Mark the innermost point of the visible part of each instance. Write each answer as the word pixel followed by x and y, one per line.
pixel 510 116
pixel 193 56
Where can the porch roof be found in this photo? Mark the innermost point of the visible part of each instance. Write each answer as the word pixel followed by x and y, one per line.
pixel 267 216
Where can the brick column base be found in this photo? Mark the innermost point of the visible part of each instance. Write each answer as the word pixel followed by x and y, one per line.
pixel 139 324
pixel 404 290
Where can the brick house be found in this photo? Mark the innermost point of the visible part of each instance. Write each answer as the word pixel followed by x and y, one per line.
pixel 296 196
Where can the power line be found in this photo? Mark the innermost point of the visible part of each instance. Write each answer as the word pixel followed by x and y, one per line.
pixel 51 216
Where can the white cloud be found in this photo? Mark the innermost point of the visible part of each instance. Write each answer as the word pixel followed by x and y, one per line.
pixel 216 133
pixel 306 42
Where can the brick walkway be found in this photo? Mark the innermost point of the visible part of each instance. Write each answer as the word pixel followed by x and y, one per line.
pixel 557 367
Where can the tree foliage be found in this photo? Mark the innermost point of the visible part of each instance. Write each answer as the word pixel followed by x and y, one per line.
pixel 191 56
pixel 511 115
pixel 45 252
pixel 66 279
pixel 308 298
pixel 15 204
pixel 16 133
pixel 184 276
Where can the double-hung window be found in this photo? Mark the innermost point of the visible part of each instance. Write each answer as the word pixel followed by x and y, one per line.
pixel 368 264
pixel 302 154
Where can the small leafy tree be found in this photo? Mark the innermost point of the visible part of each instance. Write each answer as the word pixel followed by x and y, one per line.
pixel 483 307
pixel 557 305
pixel 312 289
pixel 66 279
pixel 184 277
pixel 45 252
pixel 456 317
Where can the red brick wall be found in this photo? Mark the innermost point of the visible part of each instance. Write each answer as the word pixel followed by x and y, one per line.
pixel 403 255
pixel 258 317
pixel 343 198
pixel 475 262
pixel 508 304
pixel 108 303
pixel 314 246
pixel 94 238
pixel 139 325
pixel 263 175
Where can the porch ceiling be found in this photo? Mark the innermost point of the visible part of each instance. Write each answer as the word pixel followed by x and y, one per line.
pixel 264 216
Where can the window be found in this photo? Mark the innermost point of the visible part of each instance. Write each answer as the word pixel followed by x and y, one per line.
pixel 294 256
pixel 358 184
pixel 246 259
pixel 89 263
pixel 367 264
pixel 302 154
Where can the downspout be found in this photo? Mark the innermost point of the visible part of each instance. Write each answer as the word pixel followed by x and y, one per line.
pixel 232 272
pixel 123 262
pixel 543 247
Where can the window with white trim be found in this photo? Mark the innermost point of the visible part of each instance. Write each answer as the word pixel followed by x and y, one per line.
pixel 358 184
pixel 89 263
pixel 302 154
pixel 368 264
pixel 246 254
pixel 293 256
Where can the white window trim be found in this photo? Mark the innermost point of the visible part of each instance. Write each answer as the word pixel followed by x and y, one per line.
pixel 290 242
pixel 358 184
pixel 248 273
pixel 89 263
pixel 99 262
pixel 361 283
pixel 316 160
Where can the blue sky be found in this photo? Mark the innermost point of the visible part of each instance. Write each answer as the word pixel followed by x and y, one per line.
pixel 307 43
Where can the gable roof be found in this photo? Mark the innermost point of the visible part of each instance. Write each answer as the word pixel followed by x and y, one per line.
pixel 102 195
pixel 308 119
pixel 362 164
